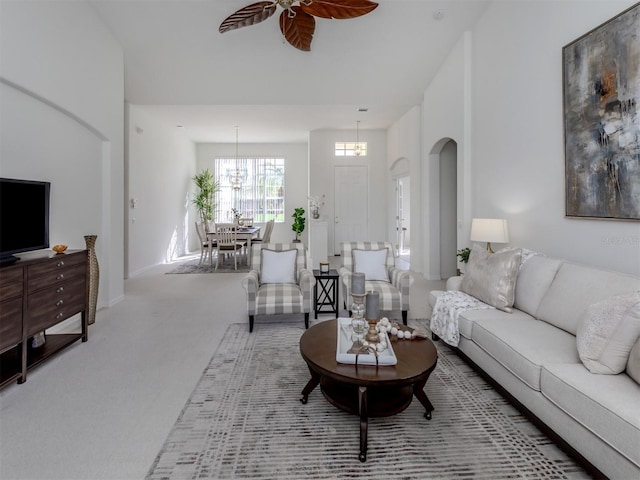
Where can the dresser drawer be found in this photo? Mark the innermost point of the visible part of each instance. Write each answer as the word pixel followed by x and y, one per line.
pixel 10 282
pixel 60 275
pixel 55 304
pixel 10 323
pixel 57 263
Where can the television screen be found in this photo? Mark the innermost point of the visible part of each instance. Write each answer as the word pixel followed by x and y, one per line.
pixel 24 217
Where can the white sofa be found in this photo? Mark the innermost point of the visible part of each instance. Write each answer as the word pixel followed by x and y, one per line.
pixel 532 353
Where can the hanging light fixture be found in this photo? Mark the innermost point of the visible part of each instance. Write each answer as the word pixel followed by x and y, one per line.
pixel 360 148
pixel 236 176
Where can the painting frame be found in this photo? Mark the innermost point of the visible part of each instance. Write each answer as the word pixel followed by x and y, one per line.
pixel 601 116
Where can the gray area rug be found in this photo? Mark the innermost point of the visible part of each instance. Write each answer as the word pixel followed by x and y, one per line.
pixel 193 266
pixel 244 420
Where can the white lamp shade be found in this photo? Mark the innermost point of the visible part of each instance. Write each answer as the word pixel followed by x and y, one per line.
pixel 489 230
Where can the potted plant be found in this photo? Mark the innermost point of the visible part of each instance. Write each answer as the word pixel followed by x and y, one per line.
pixel 205 198
pixel 463 254
pixel 298 222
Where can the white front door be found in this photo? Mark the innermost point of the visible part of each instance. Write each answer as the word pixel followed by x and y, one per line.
pixel 351 222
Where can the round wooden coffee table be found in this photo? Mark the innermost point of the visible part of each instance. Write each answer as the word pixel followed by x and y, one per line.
pixel 367 390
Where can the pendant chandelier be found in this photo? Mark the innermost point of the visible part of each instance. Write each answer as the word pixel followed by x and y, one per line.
pixel 358 147
pixel 236 176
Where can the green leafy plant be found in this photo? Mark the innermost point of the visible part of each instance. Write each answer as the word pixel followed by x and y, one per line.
pixel 298 222
pixel 464 254
pixel 205 197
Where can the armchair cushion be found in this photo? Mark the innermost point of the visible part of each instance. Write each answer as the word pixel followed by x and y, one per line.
pixel 278 266
pixel 372 263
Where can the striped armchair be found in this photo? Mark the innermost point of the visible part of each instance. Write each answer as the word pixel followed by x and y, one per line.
pixel 279 298
pixel 394 294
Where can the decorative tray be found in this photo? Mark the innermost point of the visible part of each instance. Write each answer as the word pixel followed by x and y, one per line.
pixel 386 357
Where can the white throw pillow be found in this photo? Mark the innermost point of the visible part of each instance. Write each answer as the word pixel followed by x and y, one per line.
pixel 608 332
pixel 278 266
pixel 491 277
pixel 373 263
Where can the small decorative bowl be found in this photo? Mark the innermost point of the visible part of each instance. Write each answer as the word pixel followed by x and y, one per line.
pixel 59 248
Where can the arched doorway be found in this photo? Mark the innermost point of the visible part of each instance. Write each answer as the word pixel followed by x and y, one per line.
pixel 448 209
pixel 443 209
pixel 401 228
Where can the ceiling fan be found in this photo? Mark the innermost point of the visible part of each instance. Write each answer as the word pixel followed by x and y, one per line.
pixel 297 22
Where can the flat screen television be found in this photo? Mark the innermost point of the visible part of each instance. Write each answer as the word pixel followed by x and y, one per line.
pixel 24 217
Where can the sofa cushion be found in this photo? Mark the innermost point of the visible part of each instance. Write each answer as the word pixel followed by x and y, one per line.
pixel 608 332
pixel 575 288
pixel 492 277
pixel 607 405
pixel 534 278
pixel 633 363
pixel 523 346
pixel 469 317
pixel 433 297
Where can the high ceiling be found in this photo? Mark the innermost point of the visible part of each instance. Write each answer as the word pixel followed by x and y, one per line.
pixel 182 70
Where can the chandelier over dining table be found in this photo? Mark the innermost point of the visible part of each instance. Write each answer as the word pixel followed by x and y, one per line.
pixel 238 175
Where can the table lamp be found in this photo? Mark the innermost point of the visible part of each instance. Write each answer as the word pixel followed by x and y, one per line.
pixel 489 230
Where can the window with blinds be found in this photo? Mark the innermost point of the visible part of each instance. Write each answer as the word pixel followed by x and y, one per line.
pixel 252 186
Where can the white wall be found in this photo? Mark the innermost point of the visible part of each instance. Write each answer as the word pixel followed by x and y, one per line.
pixel 295 182
pixel 404 142
pixel 322 161
pixel 518 149
pixel 161 162
pixel 499 96
pixel 446 116
pixel 62 88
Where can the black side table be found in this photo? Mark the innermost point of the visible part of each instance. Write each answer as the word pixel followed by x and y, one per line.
pixel 327 294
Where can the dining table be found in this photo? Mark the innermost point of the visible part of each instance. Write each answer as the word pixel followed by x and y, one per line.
pixel 243 233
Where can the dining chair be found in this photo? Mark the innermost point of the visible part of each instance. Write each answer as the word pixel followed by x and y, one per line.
pixel 227 242
pixel 266 236
pixel 205 242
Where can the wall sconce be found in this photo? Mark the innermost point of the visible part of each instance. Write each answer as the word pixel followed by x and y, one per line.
pixel 489 230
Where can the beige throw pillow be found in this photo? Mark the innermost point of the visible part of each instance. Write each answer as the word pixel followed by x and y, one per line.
pixel 491 277
pixel 608 332
pixel 633 364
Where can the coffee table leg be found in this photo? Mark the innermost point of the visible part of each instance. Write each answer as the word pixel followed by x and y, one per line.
pixel 364 422
pixel 418 391
pixel 311 384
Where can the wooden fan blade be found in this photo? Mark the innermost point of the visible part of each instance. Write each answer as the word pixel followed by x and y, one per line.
pixel 337 8
pixel 249 15
pixel 298 29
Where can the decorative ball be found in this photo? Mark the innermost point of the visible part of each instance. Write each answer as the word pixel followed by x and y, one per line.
pixel 380 347
pixel 394 331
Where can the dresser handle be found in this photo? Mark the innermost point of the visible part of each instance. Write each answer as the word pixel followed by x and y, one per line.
pixel 59 302
pixel 60 277
pixel 61 263
pixel 60 290
pixel 60 315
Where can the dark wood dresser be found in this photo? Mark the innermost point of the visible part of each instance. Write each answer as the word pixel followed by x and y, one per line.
pixel 36 293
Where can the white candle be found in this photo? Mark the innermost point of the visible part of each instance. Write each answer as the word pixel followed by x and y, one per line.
pixel 357 283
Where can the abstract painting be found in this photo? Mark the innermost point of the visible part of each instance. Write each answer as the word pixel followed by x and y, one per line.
pixel 601 75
